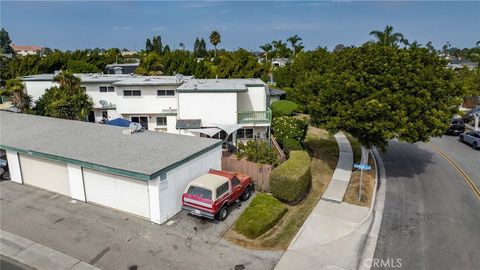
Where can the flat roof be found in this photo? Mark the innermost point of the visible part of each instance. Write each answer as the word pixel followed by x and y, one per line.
pixel 143 156
pixel 116 79
pixel 219 85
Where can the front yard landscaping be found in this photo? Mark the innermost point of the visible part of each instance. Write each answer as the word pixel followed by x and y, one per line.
pixel 368 185
pixel 261 215
pixel 323 151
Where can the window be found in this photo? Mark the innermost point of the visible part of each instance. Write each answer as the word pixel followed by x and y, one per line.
pixel 104 114
pixel 161 121
pixel 162 93
pixel 142 120
pixel 235 182
pixel 104 89
pixel 130 93
pixel 245 133
pixel 222 189
pixel 200 192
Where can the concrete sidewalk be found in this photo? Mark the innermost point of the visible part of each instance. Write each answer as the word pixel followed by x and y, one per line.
pixel 336 234
pixel 38 256
pixel 341 177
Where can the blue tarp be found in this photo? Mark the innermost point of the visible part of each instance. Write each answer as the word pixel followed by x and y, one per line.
pixel 119 122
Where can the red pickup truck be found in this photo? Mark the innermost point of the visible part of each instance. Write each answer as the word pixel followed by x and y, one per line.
pixel 210 194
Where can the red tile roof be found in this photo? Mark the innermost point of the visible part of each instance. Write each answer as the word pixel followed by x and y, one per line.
pixel 26 48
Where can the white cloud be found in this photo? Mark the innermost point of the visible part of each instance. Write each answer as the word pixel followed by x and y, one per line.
pixel 119 27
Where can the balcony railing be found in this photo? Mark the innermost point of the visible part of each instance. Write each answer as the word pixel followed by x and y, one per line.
pixel 255 117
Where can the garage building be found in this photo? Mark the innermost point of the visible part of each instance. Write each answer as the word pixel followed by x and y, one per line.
pixel 143 173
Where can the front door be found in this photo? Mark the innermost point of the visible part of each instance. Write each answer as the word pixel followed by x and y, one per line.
pixel 142 120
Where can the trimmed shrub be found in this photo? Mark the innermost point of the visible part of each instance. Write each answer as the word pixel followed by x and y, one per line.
pixel 287 127
pixel 292 144
pixel 260 216
pixel 284 108
pixel 257 151
pixel 289 181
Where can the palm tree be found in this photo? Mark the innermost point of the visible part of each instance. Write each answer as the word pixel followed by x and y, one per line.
pixel 387 37
pixel 478 44
pixel 280 48
pixel 15 91
pixel 215 39
pixel 266 48
pixel 150 65
pixel 293 41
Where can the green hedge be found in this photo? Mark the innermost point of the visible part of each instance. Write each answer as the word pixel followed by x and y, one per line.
pixel 284 108
pixel 291 145
pixel 288 127
pixel 289 181
pixel 260 216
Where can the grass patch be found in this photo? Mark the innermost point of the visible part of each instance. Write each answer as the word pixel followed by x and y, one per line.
pixel 356 148
pixel 261 215
pixel 324 153
pixel 368 186
pixel 284 108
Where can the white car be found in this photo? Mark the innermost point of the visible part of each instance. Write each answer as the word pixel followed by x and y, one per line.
pixel 471 138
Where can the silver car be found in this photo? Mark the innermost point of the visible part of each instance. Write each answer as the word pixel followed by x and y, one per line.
pixel 471 138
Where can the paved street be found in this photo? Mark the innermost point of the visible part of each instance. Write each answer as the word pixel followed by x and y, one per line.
pixel 112 240
pixel 432 216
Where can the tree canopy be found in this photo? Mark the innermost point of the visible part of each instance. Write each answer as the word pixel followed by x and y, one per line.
pixel 5 42
pixel 378 93
pixel 68 100
pixel 388 37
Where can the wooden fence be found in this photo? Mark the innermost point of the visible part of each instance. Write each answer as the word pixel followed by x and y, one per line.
pixel 260 173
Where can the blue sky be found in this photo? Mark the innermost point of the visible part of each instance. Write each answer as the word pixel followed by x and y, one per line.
pixel 126 24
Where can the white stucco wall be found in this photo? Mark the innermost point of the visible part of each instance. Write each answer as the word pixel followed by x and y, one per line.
pixel 255 99
pixel 93 90
pixel 218 108
pixel 178 178
pixel 75 177
pixel 148 103
pixel 14 166
pixel 37 88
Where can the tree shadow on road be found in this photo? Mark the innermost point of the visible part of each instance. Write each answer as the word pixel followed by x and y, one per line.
pixel 405 160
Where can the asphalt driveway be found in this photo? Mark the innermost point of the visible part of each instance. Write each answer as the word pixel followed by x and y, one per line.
pixel 112 240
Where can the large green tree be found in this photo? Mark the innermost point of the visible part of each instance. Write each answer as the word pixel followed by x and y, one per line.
pixel 67 100
pixel 295 42
pixel 378 93
pixel 388 37
pixel 151 64
pixel 5 42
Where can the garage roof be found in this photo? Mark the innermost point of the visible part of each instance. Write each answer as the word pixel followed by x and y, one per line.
pixel 100 147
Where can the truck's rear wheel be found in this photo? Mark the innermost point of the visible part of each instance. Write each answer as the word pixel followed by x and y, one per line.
pixel 222 215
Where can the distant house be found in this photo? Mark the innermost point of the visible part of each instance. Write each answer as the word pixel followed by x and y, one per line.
pixel 128 68
pixel 128 53
pixel 26 50
pixel 281 62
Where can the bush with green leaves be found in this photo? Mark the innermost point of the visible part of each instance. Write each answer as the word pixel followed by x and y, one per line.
pixel 290 180
pixel 284 108
pixel 287 127
pixel 257 151
pixel 260 216
pixel 291 145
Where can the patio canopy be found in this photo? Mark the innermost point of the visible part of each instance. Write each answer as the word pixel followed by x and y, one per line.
pixel 213 129
pixel 207 131
pixel 119 122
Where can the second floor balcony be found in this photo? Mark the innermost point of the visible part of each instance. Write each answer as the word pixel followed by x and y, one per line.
pixel 255 117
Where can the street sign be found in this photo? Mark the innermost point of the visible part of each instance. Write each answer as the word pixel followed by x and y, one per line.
pixel 362 167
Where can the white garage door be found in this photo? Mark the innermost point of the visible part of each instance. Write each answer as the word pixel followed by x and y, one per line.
pixel 46 174
pixel 117 192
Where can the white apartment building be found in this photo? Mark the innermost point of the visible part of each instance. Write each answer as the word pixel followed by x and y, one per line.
pixel 229 109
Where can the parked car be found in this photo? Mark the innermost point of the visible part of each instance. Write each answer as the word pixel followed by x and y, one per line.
pixel 4 172
pixel 469 116
pixel 456 127
pixel 471 138
pixel 210 194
